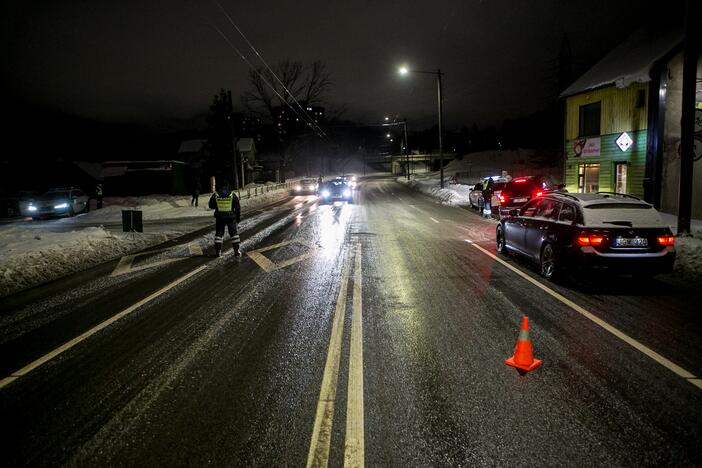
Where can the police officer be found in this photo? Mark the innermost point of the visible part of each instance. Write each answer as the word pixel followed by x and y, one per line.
pixel 227 214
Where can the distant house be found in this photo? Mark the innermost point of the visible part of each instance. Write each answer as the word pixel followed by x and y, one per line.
pixel 145 177
pixel 622 126
pixel 246 147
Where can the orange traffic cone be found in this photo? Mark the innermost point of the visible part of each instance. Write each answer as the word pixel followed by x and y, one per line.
pixel 523 358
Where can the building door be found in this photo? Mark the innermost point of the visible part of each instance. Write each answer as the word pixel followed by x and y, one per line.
pixel 620 169
pixel 588 178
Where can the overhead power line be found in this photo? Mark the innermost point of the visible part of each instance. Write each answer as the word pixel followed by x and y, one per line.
pixel 270 70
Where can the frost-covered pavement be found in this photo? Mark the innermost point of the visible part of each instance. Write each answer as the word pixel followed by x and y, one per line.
pixel 34 252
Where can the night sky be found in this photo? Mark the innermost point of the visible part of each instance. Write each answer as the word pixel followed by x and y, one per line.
pixel 150 61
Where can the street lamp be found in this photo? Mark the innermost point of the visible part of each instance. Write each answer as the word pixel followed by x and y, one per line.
pixel 403 70
pixel 405 144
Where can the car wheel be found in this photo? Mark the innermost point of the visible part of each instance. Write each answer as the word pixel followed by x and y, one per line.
pixel 71 211
pixel 500 240
pixel 549 262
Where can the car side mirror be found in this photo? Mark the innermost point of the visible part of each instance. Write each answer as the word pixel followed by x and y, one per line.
pixel 514 212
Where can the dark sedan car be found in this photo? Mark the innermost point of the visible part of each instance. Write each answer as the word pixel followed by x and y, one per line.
pixel 520 190
pixel 336 190
pixel 562 231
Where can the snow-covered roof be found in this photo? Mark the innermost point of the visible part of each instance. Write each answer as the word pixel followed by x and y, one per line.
pixel 245 144
pixel 630 62
pixel 191 146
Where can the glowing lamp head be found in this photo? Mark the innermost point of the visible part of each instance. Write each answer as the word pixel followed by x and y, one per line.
pixel 403 70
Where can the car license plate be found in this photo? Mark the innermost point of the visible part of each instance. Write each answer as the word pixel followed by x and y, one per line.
pixel 520 200
pixel 630 242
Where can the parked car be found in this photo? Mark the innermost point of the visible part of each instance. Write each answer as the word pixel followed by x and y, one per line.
pixel 335 190
pixel 308 186
pixel 561 231
pixel 520 190
pixel 59 202
pixel 13 201
pixel 485 195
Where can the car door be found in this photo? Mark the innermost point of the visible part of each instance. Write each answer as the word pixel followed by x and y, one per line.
pixel 515 228
pixel 541 226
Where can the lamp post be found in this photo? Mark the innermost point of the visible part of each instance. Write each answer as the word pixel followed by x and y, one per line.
pixel 404 71
pixel 403 146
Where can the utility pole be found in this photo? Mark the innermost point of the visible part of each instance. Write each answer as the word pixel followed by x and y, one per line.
pixel 406 145
pixel 230 116
pixel 441 145
pixel 687 120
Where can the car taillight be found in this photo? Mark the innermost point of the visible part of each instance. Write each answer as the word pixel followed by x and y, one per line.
pixel 666 240
pixel 590 239
pixel 503 199
pixel 538 193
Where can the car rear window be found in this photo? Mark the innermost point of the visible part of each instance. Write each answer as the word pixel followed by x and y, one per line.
pixel 612 214
pixel 520 189
pixel 499 185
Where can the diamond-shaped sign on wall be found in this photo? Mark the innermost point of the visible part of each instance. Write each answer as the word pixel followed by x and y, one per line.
pixel 624 141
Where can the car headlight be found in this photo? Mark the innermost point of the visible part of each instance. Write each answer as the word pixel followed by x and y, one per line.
pixel 298 188
pixel 347 193
pixel 325 193
pixel 61 205
pixel 32 208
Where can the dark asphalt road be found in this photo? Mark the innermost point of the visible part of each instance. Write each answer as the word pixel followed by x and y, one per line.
pixel 372 332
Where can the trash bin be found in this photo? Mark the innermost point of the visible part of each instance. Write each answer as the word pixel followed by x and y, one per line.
pixel 132 221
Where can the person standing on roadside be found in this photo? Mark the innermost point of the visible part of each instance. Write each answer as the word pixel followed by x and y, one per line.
pixel 195 193
pixel 227 214
pixel 98 195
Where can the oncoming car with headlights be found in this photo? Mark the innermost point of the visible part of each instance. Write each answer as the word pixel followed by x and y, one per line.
pixel 305 186
pixel 58 202
pixel 335 191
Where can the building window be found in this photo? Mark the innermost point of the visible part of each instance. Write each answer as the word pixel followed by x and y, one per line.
pixel 590 119
pixel 588 178
pixel 620 170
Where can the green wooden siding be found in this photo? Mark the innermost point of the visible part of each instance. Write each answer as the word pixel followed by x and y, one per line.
pixel 619 110
pixel 635 157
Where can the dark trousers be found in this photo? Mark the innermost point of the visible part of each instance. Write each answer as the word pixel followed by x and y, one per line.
pixel 195 199
pixel 230 224
pixel 99 202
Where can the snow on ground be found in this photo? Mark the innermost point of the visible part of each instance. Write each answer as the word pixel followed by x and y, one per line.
pixel 452 194
pixel 34 256
pixel 689 248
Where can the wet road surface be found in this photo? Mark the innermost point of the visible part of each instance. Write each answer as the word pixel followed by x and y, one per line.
pixel 371 333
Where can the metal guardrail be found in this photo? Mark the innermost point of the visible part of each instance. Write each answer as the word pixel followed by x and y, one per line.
pixel 258 191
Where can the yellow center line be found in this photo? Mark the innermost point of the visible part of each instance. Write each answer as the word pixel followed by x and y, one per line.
pixel 689 376
pixel 355 445
pixel 318 455
pixel 66 346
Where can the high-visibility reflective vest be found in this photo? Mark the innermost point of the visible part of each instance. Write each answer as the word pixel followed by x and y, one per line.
pixel 224 204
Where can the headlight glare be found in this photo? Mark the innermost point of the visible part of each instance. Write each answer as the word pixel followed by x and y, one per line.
pixel 61 205
pixel 32 208
pixel 325 193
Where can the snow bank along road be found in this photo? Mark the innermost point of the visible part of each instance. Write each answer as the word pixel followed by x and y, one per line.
pixel 370 333
pixel 35 252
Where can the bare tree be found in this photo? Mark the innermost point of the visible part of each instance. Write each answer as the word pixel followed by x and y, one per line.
pixel 308 83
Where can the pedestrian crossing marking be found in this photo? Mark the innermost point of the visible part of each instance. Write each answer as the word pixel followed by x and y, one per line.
pixel 268 265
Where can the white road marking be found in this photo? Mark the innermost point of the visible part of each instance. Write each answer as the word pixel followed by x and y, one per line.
pixel 269 266
pixel 354 452
pixel 689 376
pixel 318 455
pixel 436 221
pixel 65 347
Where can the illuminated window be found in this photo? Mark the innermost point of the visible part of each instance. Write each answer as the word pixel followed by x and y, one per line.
pixel 620 169
pixel 588 178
